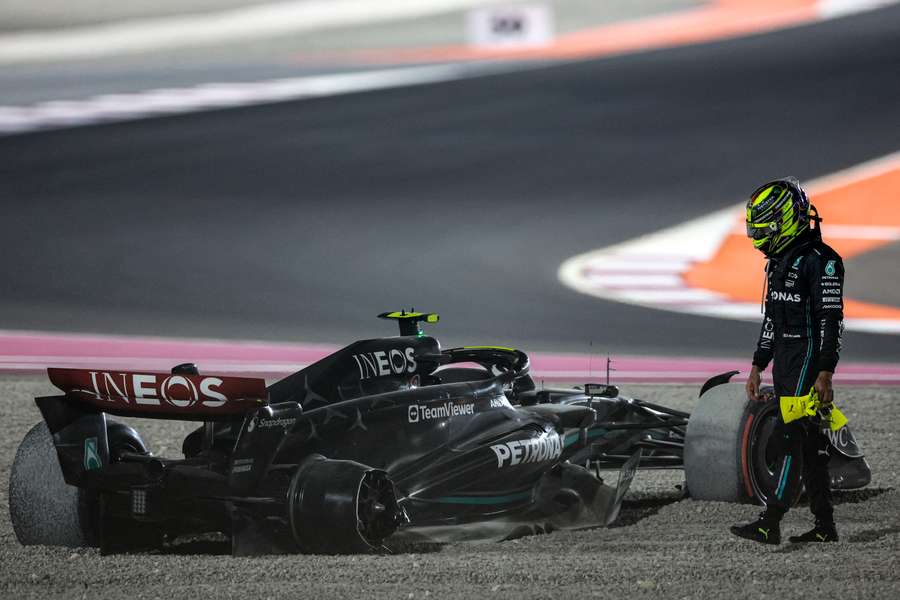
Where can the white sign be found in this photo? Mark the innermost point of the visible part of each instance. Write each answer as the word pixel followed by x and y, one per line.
pixel 522 26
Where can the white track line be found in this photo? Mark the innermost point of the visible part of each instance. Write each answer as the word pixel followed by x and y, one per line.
pixel 236 25
pixel 864 232
pixel 647 271
pixel 830 9
pixel 127 107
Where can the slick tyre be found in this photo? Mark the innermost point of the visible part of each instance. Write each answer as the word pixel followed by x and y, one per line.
pixel 43 508
pixel 727 456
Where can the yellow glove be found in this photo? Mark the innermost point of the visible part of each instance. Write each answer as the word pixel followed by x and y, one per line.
pixel 798 407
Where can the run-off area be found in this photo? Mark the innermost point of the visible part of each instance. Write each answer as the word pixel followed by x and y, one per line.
pixel 660 546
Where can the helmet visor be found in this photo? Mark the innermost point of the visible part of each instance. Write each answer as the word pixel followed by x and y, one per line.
pixel 760 231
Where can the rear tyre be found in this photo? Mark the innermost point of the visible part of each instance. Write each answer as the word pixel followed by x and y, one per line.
pixel 43 508
pixel 727 454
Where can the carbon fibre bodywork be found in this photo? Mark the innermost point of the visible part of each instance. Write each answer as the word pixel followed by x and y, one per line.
pixel 385 441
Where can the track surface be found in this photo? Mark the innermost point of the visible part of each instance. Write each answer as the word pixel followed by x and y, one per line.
pixel 660 547
pixel 302 220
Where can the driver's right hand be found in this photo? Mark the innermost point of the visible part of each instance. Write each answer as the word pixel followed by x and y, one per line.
pixel 754 381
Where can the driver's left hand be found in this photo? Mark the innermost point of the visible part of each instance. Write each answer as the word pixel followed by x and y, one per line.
pixel 823 388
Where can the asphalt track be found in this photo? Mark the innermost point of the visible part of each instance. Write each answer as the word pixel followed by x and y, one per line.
pixel 300 221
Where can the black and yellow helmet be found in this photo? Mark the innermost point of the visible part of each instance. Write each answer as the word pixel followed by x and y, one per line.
pixel 777 213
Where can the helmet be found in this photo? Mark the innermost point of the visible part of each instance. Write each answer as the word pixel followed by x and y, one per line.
pixel 777 214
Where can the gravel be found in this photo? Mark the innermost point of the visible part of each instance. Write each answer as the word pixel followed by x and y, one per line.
pixel 660 547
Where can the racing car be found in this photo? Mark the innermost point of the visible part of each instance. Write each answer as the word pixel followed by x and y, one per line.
pixel 384 442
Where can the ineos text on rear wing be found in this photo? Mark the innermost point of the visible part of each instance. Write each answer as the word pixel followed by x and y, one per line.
pixel 162 395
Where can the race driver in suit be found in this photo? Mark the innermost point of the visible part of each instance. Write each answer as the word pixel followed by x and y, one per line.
pixel 801 338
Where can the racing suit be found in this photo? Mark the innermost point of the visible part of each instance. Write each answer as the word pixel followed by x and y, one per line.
pixel 801 331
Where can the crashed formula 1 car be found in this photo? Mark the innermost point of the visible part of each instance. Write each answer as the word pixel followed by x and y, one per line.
pixel 385 441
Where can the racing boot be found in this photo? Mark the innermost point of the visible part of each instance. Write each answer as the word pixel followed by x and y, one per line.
pixel 765 530
pixel 822 532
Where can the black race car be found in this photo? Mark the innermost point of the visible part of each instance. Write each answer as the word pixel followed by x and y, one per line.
pixel 384 442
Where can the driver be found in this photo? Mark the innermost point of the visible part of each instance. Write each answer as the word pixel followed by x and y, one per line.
pixel 801 335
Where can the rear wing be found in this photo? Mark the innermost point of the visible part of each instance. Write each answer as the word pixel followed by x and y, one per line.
pixel 77 420
pixel 161 395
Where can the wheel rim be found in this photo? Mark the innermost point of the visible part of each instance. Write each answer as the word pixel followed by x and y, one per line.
pixel 378 513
